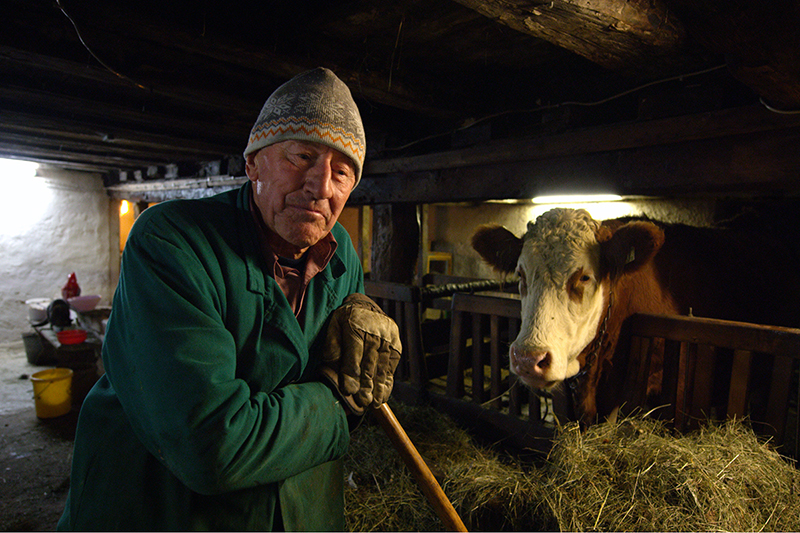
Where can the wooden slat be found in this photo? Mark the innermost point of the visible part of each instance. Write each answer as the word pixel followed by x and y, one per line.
pixel 778 402
pixel 391 291
pixel 396 312
pixel 455 365
pixel 495 363
pixel 534 408
pixel 398 315
pixel 740 378
pixel 683 387
pixel 633 393
pixel 562 404
pixel 500 304
pixel 702 383
pixel 477 358
pixel 643 371
pixel 721 333
pixel 671 370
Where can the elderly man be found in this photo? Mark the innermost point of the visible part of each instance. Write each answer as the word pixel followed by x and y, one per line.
pixel 214 412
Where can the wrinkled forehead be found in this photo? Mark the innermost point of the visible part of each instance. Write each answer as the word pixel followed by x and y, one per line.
pixel 558 242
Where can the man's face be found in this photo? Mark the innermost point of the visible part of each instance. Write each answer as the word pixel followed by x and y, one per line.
pixel 300 189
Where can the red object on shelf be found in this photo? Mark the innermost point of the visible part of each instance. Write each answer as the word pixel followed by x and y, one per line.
pixel 71 336
pixel 71 289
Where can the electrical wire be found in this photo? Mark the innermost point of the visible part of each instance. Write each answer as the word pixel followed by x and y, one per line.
pixel 80 38
pixel 779 111
pixel 554 106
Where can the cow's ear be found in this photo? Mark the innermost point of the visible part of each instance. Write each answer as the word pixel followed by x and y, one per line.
pixel 630 247
pixel 498 247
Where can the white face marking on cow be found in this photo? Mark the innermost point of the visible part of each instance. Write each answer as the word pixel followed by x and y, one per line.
pixel 562 297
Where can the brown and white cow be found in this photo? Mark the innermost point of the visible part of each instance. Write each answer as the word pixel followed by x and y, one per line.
pixel 579 279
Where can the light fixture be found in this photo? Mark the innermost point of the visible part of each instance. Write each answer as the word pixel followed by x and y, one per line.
pixel 576 199
pixel 599 206
pixel 123 207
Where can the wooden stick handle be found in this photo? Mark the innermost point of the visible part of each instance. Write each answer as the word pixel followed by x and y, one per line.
pixel 413 460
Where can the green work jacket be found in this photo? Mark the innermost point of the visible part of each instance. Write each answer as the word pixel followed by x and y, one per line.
pixel 209 416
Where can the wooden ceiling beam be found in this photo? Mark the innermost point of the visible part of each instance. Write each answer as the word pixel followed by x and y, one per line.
pixel 616 34
pixel 108 118
pixel 621 136
pixel 63 131
pixel 765 164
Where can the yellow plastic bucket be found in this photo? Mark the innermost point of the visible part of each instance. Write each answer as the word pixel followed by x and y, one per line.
pixel 52 391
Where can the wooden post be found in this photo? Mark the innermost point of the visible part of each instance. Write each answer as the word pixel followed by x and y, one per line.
pixel 395 242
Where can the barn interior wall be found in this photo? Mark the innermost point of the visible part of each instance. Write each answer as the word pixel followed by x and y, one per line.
pixel 450 226
pixel 55 223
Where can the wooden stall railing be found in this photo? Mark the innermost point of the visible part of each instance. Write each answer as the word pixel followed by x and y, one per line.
pixel 403 303
pixel 706 368
pixel 487 399
pixel 425 342
pixel 480 388
pixel 470 313
pixel 716 369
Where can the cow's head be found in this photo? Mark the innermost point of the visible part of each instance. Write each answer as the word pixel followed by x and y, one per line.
pixel 565 262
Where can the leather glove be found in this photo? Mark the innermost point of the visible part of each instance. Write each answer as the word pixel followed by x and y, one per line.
pixel 361 353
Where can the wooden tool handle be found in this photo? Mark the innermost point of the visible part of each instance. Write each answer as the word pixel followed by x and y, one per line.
pixel 413 460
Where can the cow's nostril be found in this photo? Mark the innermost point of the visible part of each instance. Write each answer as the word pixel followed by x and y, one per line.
pixel 544 362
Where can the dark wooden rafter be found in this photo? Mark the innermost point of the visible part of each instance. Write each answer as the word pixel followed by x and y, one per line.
pixel 622 136
pixel 617 34
pixel 747 150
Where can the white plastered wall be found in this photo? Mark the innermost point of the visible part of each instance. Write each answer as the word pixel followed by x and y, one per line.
pixel 54 223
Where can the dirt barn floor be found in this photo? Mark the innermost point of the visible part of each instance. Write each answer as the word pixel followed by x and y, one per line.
pixel 35 454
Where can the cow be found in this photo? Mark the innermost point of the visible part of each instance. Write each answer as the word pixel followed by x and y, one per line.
pixel 580 279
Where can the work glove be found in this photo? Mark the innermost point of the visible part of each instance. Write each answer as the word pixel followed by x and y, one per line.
pixel 361 353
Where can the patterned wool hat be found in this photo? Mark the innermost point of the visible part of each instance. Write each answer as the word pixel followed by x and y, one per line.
pixel 313 106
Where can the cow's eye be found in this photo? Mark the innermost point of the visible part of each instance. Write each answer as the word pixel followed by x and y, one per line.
pixel 523 283
pixel 577 284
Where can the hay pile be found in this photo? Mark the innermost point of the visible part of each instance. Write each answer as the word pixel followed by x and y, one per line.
pixel 380 492
pixel 633 475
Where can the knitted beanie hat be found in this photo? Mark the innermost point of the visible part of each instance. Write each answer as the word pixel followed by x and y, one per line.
pixel 313 106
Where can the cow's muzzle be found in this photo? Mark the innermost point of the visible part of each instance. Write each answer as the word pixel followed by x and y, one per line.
pixel 532 366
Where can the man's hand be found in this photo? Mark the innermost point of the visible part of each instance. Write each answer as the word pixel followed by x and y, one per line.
pixel 361 352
